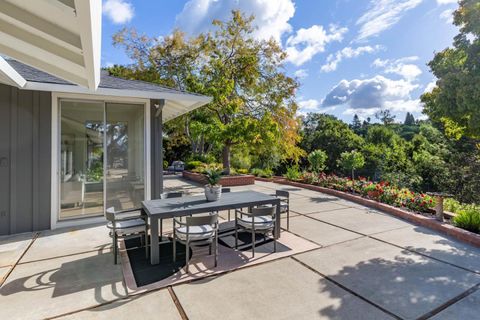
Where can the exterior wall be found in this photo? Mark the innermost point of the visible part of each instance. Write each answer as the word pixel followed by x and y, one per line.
pixel 25 160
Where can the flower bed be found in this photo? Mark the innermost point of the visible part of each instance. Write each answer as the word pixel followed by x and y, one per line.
pixel 403 203
pixel 225 181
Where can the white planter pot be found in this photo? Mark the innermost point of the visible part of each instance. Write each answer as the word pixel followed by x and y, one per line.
pixel 213 193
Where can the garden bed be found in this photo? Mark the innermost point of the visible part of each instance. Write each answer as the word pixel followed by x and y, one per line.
pixel 419 219
pixel 225 181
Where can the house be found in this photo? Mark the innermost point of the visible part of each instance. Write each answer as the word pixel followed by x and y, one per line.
pixel 73 139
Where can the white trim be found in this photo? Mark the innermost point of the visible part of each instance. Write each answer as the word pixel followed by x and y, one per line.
pixel 89 14
pixel 55 140
pixel 66 88
pixel 147 147
pixel 11 74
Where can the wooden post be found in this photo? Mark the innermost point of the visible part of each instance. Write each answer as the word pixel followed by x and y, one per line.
pixel 439 207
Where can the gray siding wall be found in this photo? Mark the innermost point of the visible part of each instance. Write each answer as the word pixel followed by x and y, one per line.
pixel 25 160
pixel 156 150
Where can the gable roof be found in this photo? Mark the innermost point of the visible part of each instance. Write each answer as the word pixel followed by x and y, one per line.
pixel 176 102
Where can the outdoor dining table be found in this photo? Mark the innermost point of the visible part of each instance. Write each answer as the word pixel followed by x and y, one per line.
pixel 190 205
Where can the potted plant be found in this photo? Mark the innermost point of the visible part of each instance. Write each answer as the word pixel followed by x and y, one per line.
pixel 213 190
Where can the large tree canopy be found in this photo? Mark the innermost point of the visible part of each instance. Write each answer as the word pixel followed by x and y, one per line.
pixel 455 101
pixel 253 103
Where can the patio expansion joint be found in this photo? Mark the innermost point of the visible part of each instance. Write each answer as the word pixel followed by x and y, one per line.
pixel 372 236
pixel 346 289
pixel 422 254
pixel 450 302
pixel 35 236
pixel 177 303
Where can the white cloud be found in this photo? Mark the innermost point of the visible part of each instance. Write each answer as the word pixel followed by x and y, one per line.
pixel 429 87
pixel 447 16
pixel 382 15
pixel 301 73
pixel 401 67
pixel 312 105
pixel 306 43
pixel 441 2
pixel 271 17
pixel 118 11
pixel 373 94
pixel 346 53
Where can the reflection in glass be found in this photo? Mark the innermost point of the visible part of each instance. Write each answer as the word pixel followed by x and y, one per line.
pixel 81 159
pixel 125 156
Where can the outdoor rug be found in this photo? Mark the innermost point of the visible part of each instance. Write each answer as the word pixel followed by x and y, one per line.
pixel 140 276
pixel 146 273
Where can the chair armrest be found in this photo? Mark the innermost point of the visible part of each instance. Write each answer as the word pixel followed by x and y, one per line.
pixel 175 220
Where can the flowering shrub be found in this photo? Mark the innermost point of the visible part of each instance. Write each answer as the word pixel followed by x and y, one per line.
pixel 380 191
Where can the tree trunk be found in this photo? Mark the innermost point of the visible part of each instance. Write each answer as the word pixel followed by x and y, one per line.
pixel 226 159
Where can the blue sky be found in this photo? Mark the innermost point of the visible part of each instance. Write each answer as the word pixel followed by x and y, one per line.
pixel 350 56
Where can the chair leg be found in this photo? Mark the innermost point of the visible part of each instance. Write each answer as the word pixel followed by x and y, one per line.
pixel 236 234
pixel 228 214
pixel 288 218
pixel 216 249
pixel 253 244
pixel 115 248
pixel 187 255
pixel 274 244
pixel 174 249
pixel 210 249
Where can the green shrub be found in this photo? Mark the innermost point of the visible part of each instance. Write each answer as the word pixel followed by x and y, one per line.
pixel 468 219
pixel 317 160
pixel 241 160
pixel 191 165
pixel 293 173
pixel 242 171
pixel 263 173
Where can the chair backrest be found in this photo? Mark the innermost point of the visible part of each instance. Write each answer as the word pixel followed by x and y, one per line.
pixel 225 190
pixel 110 214
pixel 169 195
pixel 263 211
pixel 202 220
pixel 282 193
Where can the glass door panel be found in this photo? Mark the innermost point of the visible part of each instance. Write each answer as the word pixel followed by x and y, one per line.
pixel 125 155
pixel 81 159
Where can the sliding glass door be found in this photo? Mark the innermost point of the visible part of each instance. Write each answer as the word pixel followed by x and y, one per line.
pixel 125 156
pixel 102 157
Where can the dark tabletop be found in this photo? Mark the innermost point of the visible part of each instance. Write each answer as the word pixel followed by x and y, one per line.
pixel 175 207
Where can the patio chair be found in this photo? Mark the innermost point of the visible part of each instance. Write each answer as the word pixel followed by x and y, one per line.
pixel 123 226
pixel 257 220
pixel 284 197
pixel 168 195
pixel 196 231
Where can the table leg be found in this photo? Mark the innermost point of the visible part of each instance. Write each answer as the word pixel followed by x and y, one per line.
pixel 278 218
pixel 154 249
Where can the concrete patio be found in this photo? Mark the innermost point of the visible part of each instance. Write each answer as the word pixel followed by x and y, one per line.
pixel 370 266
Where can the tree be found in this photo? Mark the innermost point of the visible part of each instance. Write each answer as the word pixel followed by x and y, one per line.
pixel 322 131
pixel 351 161
pixel 253 99
pixel 385 116
pixel 455 101
pixel 409 120
pixel 356 124
pixel 317 160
